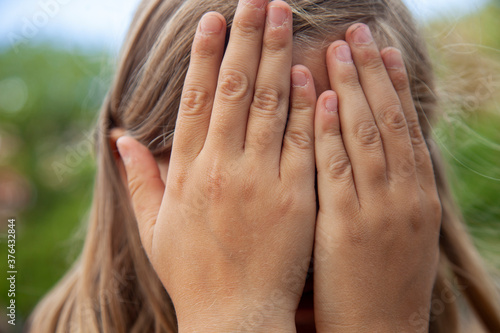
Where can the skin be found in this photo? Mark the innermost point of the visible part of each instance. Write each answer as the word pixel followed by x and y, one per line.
pixel 229 222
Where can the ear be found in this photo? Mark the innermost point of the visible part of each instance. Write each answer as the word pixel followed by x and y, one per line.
pixel 115 134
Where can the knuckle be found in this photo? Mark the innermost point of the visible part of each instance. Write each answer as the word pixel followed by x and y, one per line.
pixel 233 84
pixel 134 184
pixel 417 139
pixel 177 181
pixel 221 128
pixel 194 101
pixel 287 203
pixel 274 41
pixel 249 27
pixel 400 80
pixel 235 168
pixel 436 208
pixel 266 101
pixel 299 139
pixel 366 134
pixel 416 220
pixel 339 167
pixel 249 188
pixel 406 169
pixel 348 78
pixel 422 159
pixel 378 171
pixel 302 103
pixel 393 117
pixel 202 48
pixel 216 180
pixel 268 131
pixel 371 61
pixel 264 136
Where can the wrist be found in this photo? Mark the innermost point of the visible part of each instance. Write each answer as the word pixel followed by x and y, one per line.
pixel 245 318
pixel 226 325
pixel 366 325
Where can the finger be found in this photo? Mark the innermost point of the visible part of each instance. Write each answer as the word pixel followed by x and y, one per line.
pixel 145 186
pixel 335 178
pixel 384 103
pixel 393 61
pixel 269 109
pixel 297 157
pixel 199 87
pixel 237 77
pixel 359 132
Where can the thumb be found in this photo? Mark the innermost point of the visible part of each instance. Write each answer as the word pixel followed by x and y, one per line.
pixel 145 186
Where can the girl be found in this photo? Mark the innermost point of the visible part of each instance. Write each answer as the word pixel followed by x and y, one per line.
pixel 223 221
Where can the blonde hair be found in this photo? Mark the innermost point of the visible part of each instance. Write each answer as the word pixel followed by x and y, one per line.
pixel 112 286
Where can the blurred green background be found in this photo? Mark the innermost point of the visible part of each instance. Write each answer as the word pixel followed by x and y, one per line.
pixel 49 101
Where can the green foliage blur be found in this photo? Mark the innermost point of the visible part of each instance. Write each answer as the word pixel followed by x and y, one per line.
pixel 466 55
pixel 50 98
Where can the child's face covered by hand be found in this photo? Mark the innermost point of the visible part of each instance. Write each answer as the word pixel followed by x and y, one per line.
pixel 231 229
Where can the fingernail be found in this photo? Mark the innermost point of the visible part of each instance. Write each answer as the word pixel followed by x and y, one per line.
pixel 362 35
pixel 211 24
pixel 299 79
pixel 122 150
pixel 393 59
pixel 277 16
pixel 331 104
pixel 343 53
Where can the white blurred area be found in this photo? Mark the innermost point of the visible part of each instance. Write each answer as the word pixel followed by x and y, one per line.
pixel 102 24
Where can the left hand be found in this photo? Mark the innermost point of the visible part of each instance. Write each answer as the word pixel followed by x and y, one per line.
pixel 377 232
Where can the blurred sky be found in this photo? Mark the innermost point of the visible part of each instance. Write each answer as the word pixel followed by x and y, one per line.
pixel 102 24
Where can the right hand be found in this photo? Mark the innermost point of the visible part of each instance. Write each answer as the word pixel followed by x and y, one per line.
pixel 230 233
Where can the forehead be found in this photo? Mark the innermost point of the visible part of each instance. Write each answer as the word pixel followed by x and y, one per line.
pixel 315 61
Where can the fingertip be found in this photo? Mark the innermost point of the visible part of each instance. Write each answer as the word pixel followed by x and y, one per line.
pixel 350 31
pixel 389 49
pixel 303 89
pixel 212 23
pixel 298 144
pixel 327 112
pixel 131 150
pixel 395 66
pixel 279 3
pixel 392 58
pixel 331 103
pixel 300 77
pixel 279 14
pixel 331 52
pixel 332 161
pixel 122 144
